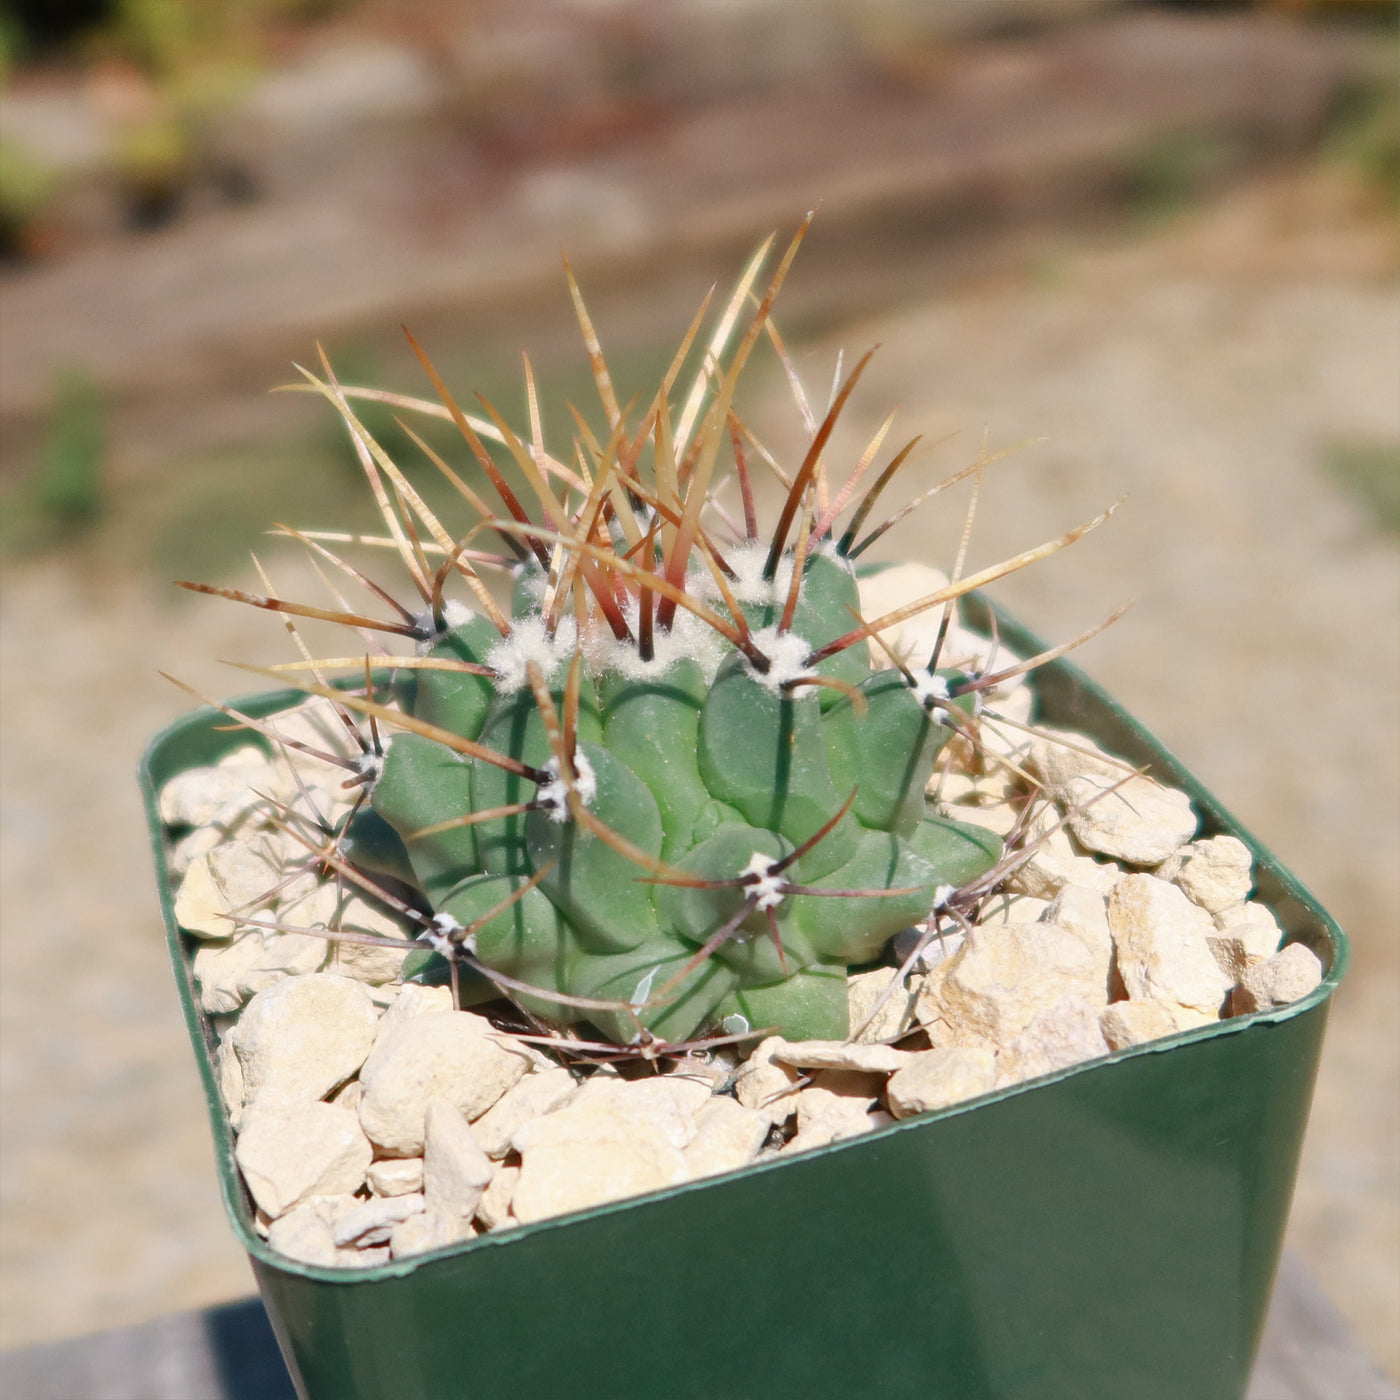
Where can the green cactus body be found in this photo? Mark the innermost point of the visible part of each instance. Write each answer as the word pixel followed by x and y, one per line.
pixel 715 772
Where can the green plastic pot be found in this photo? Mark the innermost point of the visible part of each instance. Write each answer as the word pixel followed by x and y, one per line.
pixel 1105 1232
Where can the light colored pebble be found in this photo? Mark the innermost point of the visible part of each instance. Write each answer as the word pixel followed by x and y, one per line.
pixel 396 1176
pixel 1060 1037
pixel 427 1231
pixel 218 968
pixel 728 1136
pixel 936 1079
pixel 233 876
pixel 283 955
pixel 557 1176
pixel 454 1055
pixel 294 1150
pixel 1286 977
pixel 1162 953
pixel 455 1169
pixel 764 1084
pixel 1245 934
pixel 1135 1022
pixel 303 1037
pixel 836 1105
pixel 1005 977
pixel 303 1235
pixel 199 795
pixel 863 993
pixel 366 963
pixel 536 1094
pixel 229 1073
pixel 1008 908
pixel 839 1054
pixel 1217 873
pixel 1141 822
pixel 371 1220
pixel 1084 912
pixel 494 1210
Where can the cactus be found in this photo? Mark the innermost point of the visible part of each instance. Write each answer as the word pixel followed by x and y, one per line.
pixel 666 790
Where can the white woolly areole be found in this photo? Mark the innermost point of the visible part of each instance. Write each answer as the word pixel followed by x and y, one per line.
pixel 440 936
pixel 553 796
pixel 528 641
pixel 930 689
pixel 787 654
pixel 942 894
pixel 748 584
pixel 454 614
pixel 767 891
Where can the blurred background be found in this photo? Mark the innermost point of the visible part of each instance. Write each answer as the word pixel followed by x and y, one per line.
pixel 1163 238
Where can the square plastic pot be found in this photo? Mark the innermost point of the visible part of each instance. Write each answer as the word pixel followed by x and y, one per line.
pixel 1108 1231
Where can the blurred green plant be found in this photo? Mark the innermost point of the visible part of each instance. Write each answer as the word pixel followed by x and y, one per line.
pixel 1170 171
pixel 63 496
pixel 1370 472
pixel 1364 133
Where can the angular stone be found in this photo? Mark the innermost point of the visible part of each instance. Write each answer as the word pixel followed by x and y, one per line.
pixel 836 1105
pixel 303 1235
pixel 1009 908
pixel 1051 863
pixel 839 1054
pixel 535 1095
pixel 283 955
pixel 1246 934
pixel 198 796
pixel 864 991
pixel 557 1176
pixel 233 876
pixel 764 1084
pixel 427 1230
pixel 1128 1023
pixel 1141 822
pixel 728 1136
pixel 1084 912
pixel 608 1109
pixel 1000 982
pixel 1286 977
pixel 290 1151
pixel 229 1072
pixel 453 1055
pixel 303 1037
pixel 413 1000
pixel 1162 953
pixel 371 1221
pixel 936 1079
pixel 494 1210
pixel 1062 1035
pixel 218 968
pixel 1217 873
pixel 363 962
pixel 396 1176
pixel 455 1169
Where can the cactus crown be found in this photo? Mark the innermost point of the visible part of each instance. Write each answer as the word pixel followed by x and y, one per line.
pixel 662 790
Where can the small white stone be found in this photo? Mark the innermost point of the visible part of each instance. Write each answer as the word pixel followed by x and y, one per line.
pixel 413 999
pixel 1000 818
pixel 763 1083
pixel 229 1072
pixel 834 1106
pixel 303 1235
pixel 1061 1036
pixel 282 955
pixel 396 1176
pixel 535 1095
pixel 1217 874
pixel 1009 908
pixel 838 1054
pixel 233 876
pixel 494 1210
pixel 1246 934
pixel 455 1169
pixel 863 993
pixel 1162 952
pixel 366 963
pixel 1140 822
pixel 190 847
pixel 219 967
pixel 288 1152
pixel 454 1055
pixel 375 1217
pixel 303 1037
pixel 728 1136
pixel 1128 1023
pixel 936 1079
pixel 1006 977
pixel 573 1174
pixel 1286 977
pixel 426 1231
pixel 607 1107
pixel 1049 862
pixel 199 795
pixel 1084 912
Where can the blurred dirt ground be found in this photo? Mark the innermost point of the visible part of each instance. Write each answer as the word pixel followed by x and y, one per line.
pixel 1221 369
